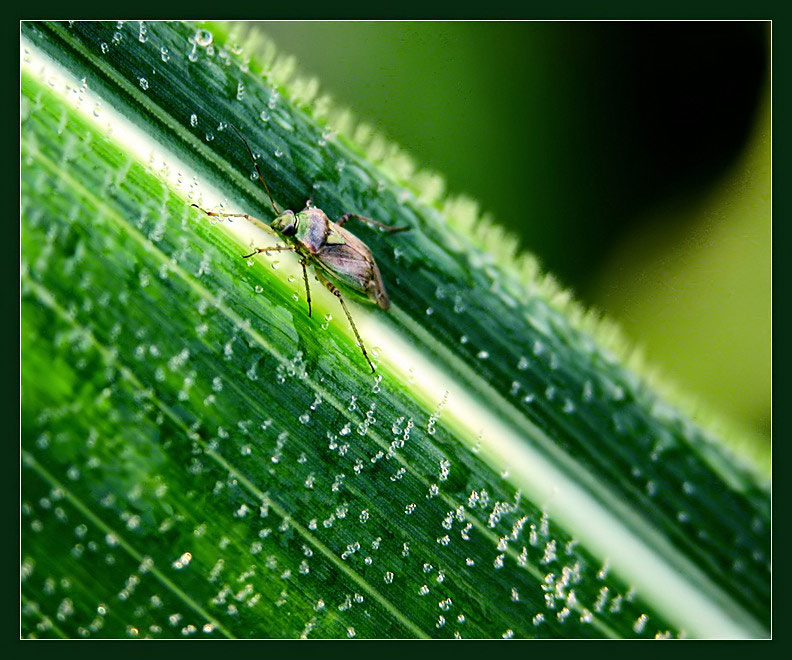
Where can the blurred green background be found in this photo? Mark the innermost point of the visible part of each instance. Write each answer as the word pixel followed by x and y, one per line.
pixel 632 158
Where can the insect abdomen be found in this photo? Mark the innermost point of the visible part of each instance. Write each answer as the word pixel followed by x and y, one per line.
pixel 358 273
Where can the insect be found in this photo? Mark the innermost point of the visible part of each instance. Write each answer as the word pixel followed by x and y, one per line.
pixel 337 255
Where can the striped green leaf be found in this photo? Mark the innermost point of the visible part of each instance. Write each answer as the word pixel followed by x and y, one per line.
pixel 201 458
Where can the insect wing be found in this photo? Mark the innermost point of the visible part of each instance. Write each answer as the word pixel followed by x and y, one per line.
pixel 352 264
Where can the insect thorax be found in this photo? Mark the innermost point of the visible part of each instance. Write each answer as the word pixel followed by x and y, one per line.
pixel 313 228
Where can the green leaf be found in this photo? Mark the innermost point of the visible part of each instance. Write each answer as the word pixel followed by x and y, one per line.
pixel 202 458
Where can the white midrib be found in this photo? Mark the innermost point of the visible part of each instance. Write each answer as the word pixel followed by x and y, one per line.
pixel 632 549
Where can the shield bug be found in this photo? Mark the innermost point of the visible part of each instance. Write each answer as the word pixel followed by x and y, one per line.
pixel 338 256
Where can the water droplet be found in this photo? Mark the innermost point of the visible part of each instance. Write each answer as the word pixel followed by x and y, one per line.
pixel 105 47
pixel 640 624
pixel 264 115
pixel 143 83
pixel 193 120
pixel 203 38
pixel 165 55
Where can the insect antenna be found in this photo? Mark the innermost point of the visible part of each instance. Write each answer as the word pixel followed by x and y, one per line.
pixel 258 171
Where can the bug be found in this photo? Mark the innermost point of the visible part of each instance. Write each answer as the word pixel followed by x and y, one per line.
pixel 338 256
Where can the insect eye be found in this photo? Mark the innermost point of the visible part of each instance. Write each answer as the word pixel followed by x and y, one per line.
pixel 289 229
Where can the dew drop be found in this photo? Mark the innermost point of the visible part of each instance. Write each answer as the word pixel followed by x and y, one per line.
pixel 203 38
pixel 143 84
pixel 105 47
pixel 640 624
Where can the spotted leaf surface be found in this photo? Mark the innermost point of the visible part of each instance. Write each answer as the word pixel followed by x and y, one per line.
pixel 201 458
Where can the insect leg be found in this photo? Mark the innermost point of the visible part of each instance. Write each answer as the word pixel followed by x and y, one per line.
pixel 224 215
pixel 249 218
pixel 347 216
pixel 307 288
pixel 334 290
pixel 277 248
